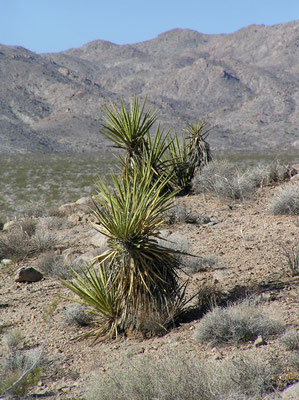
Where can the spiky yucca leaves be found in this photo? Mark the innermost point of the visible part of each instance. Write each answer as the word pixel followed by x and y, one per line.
pixel 180 163
pixel 144 273
pixel 127 128
pixel 200 149
pixel 94 288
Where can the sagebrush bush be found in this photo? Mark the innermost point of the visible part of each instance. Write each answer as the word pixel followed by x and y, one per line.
pixel 180 377
pixel 286 202
pixel 55 266
pixel 77 315
pixel 240 322
pixel 224 179
pixel 25 238
pixel 290 339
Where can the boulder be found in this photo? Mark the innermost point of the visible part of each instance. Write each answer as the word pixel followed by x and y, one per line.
pixel 28 274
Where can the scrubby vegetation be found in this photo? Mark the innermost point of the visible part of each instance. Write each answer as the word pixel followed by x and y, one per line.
pixel 241 322
pixel 228 180
pixel 286 202
pixel 136 280
pixel 20 369
pixel 182 377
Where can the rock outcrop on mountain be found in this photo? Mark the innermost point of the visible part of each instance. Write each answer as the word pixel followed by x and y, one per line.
pixel 243 84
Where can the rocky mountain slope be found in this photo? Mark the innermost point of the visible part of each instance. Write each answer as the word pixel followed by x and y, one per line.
pixel 243 84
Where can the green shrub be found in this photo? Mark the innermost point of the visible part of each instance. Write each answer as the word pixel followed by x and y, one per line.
pixel 241 322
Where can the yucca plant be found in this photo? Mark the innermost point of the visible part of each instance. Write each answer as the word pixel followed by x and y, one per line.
pixel 200 149
pixel 127 129
pixel 94 288
pixel 180 165
pixel 144 273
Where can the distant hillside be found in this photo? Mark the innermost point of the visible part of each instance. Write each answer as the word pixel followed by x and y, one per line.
pixel 244 84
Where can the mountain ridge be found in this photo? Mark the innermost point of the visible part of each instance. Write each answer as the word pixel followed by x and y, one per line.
pixel 244 84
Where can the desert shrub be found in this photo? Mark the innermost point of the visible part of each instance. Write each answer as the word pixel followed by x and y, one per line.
pixel 240 322
pixel 42 240
pixel 290 339
pixel 291 253
pixel 55 266
pixel 77 315
pixel 268 174
pixel 182 377
pixel 53 223
pixel 20 369
pixel 286 202
pixel 224 179
pixel 24 239
pixel 198 264
pixel 15 244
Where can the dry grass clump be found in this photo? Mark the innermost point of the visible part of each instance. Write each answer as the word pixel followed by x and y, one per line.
pixel 240 322
pixel 286 202
pixel 290 339
pixel 181 377
pixel 19 370
pixel 77 314
pixel 291 252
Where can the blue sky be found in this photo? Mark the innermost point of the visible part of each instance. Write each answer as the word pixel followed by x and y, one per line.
pixel 56 25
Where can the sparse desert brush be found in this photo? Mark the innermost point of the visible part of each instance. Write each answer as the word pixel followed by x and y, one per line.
pixel 55 266
pixel 25 239
pixel 77 314
pixel 286 202
pixel 224 179
pixel 240 322
pixel 181 377
pixel 19 369
pixel 291 253
pixel 268 174
pixel 290 339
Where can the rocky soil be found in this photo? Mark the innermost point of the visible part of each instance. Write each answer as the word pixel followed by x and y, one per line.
pixel 244 240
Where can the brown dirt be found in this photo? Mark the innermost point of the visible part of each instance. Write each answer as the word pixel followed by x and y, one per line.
pixel 245 239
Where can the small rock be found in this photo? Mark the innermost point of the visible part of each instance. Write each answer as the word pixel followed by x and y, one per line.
pixel 260 341
pixel 295 178
pixel 28 274
pixel 8 225
pixel 86 201
pixel 67 208
pixel 291 392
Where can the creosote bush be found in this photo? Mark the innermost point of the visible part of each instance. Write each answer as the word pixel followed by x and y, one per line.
pixel 182 377
pixel 240 322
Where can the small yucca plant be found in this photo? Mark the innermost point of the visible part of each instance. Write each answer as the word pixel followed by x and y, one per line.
pixel 127 129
